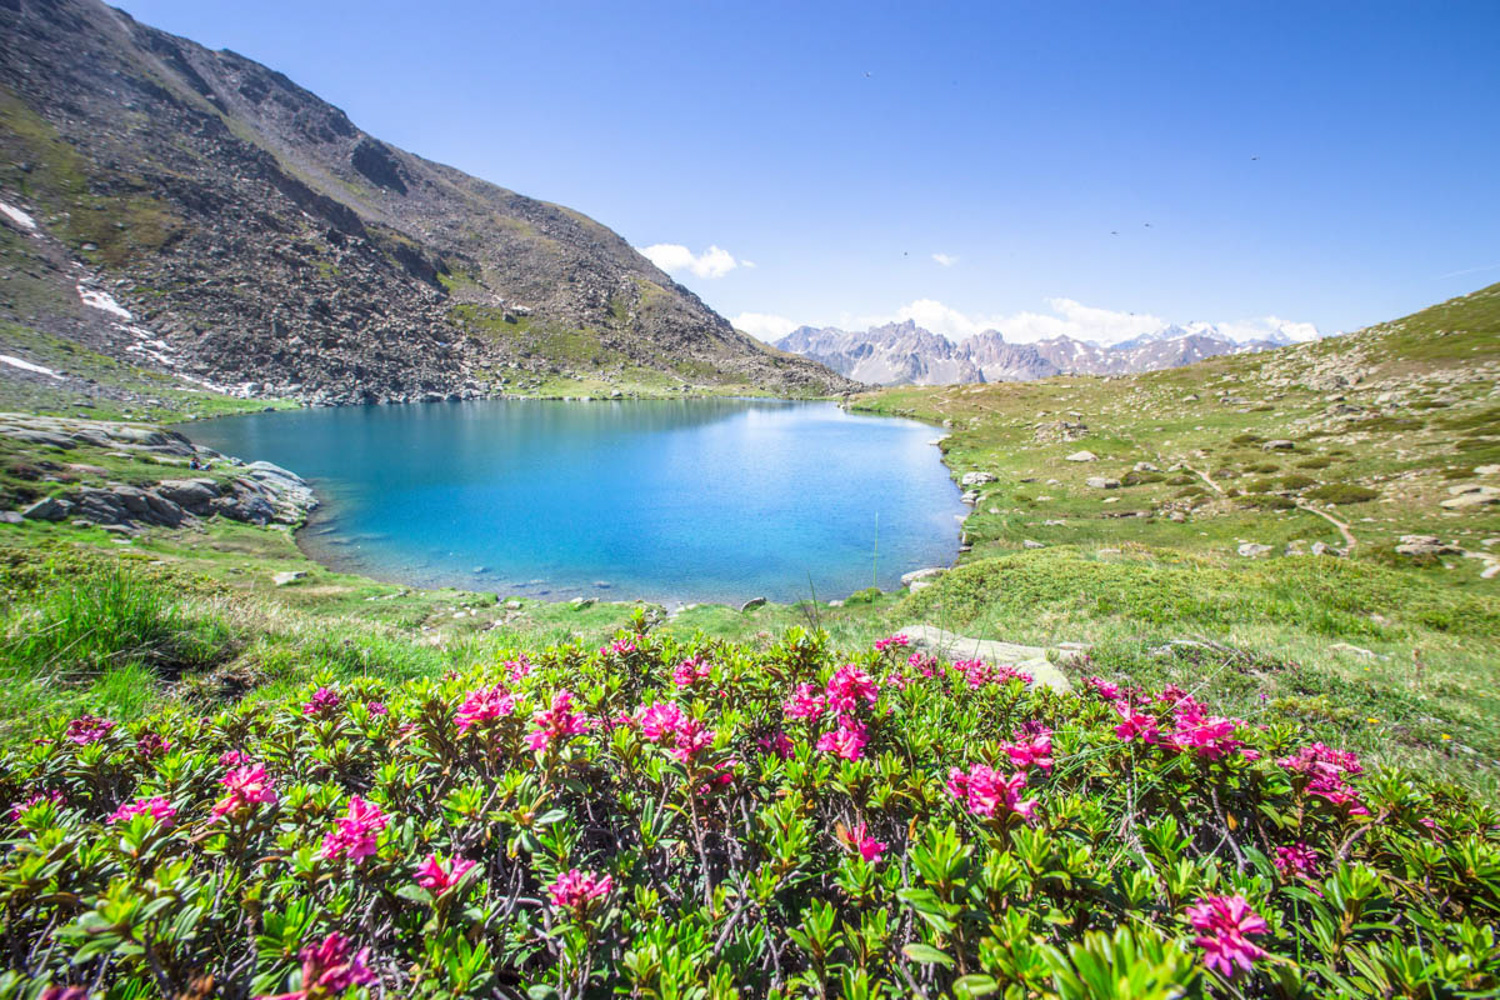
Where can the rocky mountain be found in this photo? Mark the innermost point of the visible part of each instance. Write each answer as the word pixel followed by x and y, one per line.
pixel 904 353
pixel 199 212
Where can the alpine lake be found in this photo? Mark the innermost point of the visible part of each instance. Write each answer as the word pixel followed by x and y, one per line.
pixel 672 501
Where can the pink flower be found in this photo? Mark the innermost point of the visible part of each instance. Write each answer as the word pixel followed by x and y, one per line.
pixel 984 790
pixel 46 795
pixel 859 838
pixel 556 723
pixel 248 786
pixel 65 993
pixel 1211 738
pixel 484 705
pixel 660 721
pixel 324 701
pixel 619 647
pixel 151 745
pixel 1321 769
pixel 357 831
pixel 666 723
pixel 881 645
pixel 1101 687
pixel 689 672
pixel 1297 860
pixel 922 664
pixel 805 704
pixel 517 669
pixel 1226 921
pixel 723 776
pixel 850 688
pixel 897 680
pixel 779 744
pixel 329 970
pixel 233 758
pixel 578 891
pixel 157 807
pixel 1032 748
pixel 847 741
pixel 88 729
pixel 432 875
pixel 376 708
pixel 976 673
pixel 1136 725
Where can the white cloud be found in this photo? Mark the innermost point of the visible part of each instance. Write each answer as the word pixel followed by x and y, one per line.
pixel 945 259
pixel 764 326
pixel 674 258
pixel 1066 318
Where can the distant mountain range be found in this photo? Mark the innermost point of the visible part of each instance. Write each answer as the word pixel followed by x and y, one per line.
pixel 904 353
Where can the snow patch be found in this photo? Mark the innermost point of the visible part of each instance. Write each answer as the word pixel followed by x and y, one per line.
pixel 103 300
pixel 20 218
pixel 27 366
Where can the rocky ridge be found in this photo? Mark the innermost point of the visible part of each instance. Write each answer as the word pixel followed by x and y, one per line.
pixel 248 235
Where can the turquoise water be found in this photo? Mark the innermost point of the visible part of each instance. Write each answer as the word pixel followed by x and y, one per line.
pixel 674 501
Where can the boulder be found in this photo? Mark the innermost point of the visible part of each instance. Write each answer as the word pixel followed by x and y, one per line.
pixel 1029 544
pixel 1146 467
pixel 579 603
pixel 1324 549
pixel 1082 456
pixel 1281 444
pixel 11 517
pixel 48 509
pixel 290 576
pixel 1468 500
pixel 917 575
pixel 1425 545
pixel 1102 483
pixel 1254 550
pixel 752 604
pixel 977 478
pixel 190 494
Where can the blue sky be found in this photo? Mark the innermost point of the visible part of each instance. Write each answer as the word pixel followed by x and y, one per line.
pixel 1319 162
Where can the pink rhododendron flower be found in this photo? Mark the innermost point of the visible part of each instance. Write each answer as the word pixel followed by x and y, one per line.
pixel 1296 860
pixel 807 703
pixel 779 744
pixel 484 705
pixel 897 680
pixel 660 721
pixel 847 741
pixel 619 647
pixel 977 673
pixel 47 795
pixel 577 890
pixel 1321 770
pixel 1210 738
pixel 157 807
pixel 65 993
pixel 328 970
pixel 721 779
pixel 1033 748
pixel 150 745
pixel 1136 725
pixel 233 758
pixel 1226 922
pixel 88 729
pixel 881 645
pixel 667 724
pixel 556 723
pixel 517 669
pixel 248 786
pixel 850 689
pixel 925 665
pixel 432 875
pixel 376 708
pixel 689 672
pixel 1101 687
pixel 868 847
pixel 323 702
pixel 984 790
pixel 355 837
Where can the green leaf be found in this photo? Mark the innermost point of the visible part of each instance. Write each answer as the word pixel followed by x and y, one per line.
pixel 974 985
pixel 927 955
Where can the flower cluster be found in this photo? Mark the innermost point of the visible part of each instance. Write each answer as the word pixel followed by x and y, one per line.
pixel 977 673
pixel 157 807
pixel 986 792
pixel 48 795
pixel 434 876
pixel 1226 923
pixel 328 970
pixel 577 891
pixel 355 837
pixel 895 641
pixel 689 672
pixel 1321 769
pixel 859 840
pixel 484 705
pixel 557 723
pixel 248 787
pixel 324 702
pixel 666 724
pixel 88 729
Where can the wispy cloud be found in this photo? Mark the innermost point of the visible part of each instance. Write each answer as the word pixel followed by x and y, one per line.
pixel 674 258
pixel 945 259
pixel 764 326
pixel 1468 270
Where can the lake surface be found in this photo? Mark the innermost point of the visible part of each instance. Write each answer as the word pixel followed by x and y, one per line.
pixel 673 500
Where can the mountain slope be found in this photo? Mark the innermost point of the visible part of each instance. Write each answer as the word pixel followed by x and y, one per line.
pixel 263 240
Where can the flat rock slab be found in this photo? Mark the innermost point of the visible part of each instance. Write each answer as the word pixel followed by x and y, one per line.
pixel 952 646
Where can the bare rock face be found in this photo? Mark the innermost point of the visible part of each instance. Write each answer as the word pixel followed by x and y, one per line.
pixel 239 230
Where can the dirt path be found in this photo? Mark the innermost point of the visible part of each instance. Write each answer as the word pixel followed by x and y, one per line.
pixel 1343 528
